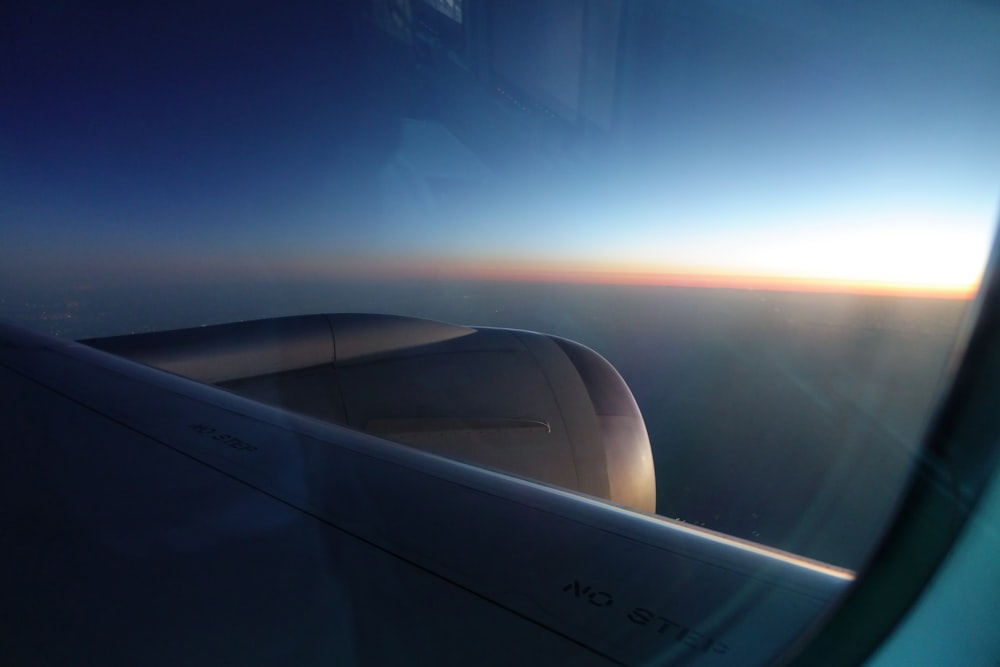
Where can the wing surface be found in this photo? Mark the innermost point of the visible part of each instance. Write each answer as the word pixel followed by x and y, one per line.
pixel 152 519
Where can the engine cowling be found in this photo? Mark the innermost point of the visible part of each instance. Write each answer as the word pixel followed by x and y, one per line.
pixel 526 403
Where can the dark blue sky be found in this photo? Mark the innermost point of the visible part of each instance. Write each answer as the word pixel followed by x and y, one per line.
pixel 147 116
pixel 142 141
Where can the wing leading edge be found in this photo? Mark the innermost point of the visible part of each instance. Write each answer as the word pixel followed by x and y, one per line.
pixel 157 519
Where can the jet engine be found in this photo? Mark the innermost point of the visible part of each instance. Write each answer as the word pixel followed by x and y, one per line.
pixel 525 403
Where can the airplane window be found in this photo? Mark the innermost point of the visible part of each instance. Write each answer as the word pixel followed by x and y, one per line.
pixel 708 260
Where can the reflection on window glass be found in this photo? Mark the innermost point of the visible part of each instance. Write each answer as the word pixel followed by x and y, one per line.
pixel 769 218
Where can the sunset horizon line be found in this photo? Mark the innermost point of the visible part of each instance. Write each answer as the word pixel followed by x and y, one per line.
pixel 252 269
pixel 527 273
pixel 715 281
pixel 574 273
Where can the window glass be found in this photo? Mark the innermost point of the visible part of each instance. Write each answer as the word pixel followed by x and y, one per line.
pixel 769 217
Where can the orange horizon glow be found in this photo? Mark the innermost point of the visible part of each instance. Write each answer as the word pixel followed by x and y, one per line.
pixel 579 273
pixel 708 281
pixel 242 269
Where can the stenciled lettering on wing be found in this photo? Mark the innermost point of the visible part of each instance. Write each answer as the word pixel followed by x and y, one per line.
pixel 215 435
pixel 657 624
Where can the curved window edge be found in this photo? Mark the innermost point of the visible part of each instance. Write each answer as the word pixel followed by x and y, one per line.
pixel 958 465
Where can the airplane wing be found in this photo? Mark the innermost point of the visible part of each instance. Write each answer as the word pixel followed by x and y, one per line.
pixel 154 519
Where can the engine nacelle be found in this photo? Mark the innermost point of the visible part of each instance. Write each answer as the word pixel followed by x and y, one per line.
pixel 534 405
